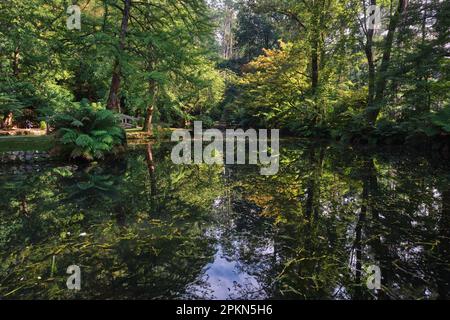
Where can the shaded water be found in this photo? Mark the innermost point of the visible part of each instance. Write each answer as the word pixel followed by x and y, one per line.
pixel 144 228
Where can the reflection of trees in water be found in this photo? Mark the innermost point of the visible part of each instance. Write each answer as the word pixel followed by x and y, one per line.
pixel 400 233
pixel 104 219
pixel 370 209
pixel 304 233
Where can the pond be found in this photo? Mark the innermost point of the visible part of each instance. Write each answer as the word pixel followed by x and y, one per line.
pixel 145 228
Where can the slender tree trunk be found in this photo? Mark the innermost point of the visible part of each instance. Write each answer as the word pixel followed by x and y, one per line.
pixel 370 61
pixel 424 21
pixel 371 93
pixel 153 92
pixel 15 62
pixel 8 119
pixel 113 98
pixel 381 80
pixel 148 120
pixel 228 41
pixel 423 87
pixel 315 66
pixel 314 41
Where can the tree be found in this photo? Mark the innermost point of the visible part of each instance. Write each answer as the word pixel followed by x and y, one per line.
pixel 378 80
pixel 113 98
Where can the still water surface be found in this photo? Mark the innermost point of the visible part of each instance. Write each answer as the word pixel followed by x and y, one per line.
pixel 144 228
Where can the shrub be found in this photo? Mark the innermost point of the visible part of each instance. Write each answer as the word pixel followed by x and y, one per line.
pixel 43 125
pixel 89 134
pixel 206 120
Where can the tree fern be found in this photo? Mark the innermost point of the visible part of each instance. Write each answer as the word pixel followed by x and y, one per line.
pixel 89 134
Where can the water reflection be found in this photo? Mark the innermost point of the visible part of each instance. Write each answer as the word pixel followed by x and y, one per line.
pixel 233 274
pixel 145 228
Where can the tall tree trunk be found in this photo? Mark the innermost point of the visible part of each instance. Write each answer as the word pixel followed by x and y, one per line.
pixel 423 89
pixel 371 93
pixel 315 67
pixel 314 41
pixel 15 62
pixel 424 21
pixel 148 120
pixel 47 127
pixel 153 92
pixel 370 60
pixel 373 110
pixel 113 98
pixel 228 41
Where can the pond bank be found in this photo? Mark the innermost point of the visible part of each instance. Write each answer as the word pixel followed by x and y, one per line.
pixel 24 156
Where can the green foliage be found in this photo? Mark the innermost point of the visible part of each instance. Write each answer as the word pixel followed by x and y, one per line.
pixel 9 104
pixel 255 32
pixel 330 76
pixel 43 125
pixel 207 121
pixel 441 120
pixel 299 66
pixel 168 42
pixel 89 134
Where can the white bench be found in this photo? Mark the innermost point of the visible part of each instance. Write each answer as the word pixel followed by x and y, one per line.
pixel 128 122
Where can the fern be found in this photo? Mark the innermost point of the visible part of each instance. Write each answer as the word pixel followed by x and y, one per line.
pixel 77 123
pixel 89 134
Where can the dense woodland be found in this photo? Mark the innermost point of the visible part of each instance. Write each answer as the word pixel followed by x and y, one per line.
pixel 311 68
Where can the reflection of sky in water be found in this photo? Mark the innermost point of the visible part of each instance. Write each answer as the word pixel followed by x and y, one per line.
pixel 224 279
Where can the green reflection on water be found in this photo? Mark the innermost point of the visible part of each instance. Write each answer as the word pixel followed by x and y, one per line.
pixel 144 228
